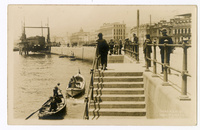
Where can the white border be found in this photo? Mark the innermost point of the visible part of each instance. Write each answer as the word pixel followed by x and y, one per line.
pixel 3 58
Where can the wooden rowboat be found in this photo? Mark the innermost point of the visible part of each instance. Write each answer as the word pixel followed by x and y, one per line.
pixel 45 113
pixel 76 85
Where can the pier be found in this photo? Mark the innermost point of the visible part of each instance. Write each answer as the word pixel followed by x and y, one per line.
pixel 131 90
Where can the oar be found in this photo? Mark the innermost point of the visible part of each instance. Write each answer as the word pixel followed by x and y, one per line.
pixel 37 110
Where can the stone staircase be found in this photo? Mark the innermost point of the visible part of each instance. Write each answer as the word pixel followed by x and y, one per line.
pixel 117 95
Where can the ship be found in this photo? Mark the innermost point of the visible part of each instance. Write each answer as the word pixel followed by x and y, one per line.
pixel 34 43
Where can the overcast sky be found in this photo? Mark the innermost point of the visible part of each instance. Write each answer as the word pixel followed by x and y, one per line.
pixel 65 19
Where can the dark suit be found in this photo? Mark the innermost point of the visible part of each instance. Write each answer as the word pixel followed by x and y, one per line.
pixel 135 40
pixel 103 49
pixel 145 47
pixel 169 49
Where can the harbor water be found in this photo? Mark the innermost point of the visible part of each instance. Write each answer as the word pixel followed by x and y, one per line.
pixel 36 75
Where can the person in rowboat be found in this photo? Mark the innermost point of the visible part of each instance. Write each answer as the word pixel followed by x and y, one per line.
pixel 72 82
pixel 55 90
pixel 53 105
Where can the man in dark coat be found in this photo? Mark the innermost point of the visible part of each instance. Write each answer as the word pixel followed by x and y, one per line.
pixel 56 89
pixel 145 47
pixel 111 46
pixel 53 105
pixel 135 40
pixel 165 39
pixel 120 47
pixel 103 49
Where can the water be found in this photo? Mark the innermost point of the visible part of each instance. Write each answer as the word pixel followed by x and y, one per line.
pixel 36 75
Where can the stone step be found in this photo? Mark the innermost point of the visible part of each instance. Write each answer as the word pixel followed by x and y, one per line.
pixel 117 112
pixel 115 58
pixel 122 118
pixel 119 85
pixel 100 98
pixel 118 104
pixel 119 91
pixel 107 73
pixel 120 79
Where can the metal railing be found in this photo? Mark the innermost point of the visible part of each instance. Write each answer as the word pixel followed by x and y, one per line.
pixel 132 49
pixel 90 95
pixel 166 66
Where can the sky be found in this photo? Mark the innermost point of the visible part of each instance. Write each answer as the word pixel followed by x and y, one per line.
pixel 67 19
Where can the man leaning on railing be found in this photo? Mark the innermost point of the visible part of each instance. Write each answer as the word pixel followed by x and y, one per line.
pixel 168 40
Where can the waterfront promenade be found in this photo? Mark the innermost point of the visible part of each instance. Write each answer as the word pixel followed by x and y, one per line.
pixel 161 101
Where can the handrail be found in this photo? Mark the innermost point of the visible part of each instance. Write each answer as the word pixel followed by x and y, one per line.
pixel 90 96
pixel 133 49
pixel 184 72
pixel 128 49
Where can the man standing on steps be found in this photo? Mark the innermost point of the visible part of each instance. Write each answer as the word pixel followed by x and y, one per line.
pixel 103 49
pixel 168 40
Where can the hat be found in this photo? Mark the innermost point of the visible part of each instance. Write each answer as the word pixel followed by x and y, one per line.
pixel 100 34
pixel 164 30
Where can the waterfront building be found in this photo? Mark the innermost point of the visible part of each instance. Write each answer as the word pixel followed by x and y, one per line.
pixel 142 32
pixel 178 28
pixel 115 31
pixel 79 38
pixel 181 28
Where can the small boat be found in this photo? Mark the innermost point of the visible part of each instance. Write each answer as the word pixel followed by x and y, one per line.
pixel 76 85
pixel 45 113
pixel 63 56
pixel 72 59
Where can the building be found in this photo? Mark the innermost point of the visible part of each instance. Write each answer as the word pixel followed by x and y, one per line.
pixel 115 31
pixel 178 28
pixel 181 27
pixel 142 32
pixel 155 29
pixel 79 38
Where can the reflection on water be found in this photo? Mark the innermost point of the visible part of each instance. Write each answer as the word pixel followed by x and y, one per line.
pixel 35 76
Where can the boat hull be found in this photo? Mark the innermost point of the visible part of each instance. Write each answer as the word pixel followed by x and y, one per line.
pixel 74 92
pixel 79 87
pixel 45 112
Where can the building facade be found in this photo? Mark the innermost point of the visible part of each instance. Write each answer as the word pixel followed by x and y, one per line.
pixel 79 38
pixel 181 28
pixel 115 31
pixel 178 28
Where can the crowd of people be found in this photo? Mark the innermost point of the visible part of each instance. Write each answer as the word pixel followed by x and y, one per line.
pixel 115 48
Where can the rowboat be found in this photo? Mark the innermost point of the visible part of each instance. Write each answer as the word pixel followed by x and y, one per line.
pixel 76 85
pixel 46 113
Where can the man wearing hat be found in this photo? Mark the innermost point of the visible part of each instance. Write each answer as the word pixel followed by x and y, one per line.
pixel 102 50
pixel 135 40
pixel 165 39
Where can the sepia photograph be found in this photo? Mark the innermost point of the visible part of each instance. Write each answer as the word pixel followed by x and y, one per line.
pixel 121 65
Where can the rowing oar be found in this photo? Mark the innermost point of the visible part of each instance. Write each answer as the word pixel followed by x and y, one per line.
pixel 37 110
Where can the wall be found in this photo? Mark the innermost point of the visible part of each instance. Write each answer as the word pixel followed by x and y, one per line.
pixel 163 101
pixel 85 53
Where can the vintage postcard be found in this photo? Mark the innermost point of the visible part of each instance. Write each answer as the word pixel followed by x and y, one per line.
pixel 102 65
